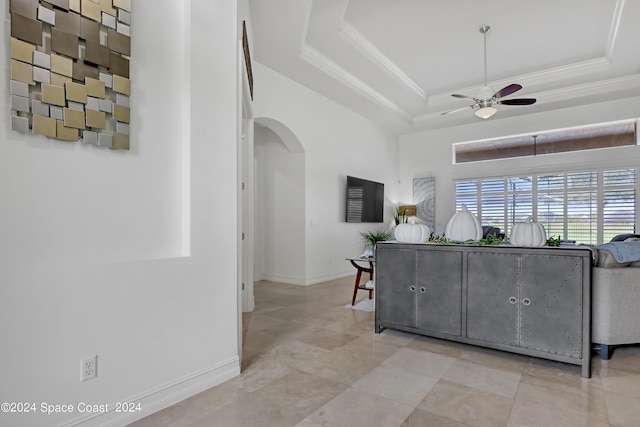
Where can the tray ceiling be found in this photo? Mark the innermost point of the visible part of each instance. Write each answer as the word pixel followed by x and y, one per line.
pixel 397 62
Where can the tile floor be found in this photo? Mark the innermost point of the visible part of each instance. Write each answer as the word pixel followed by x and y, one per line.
pixel 308 361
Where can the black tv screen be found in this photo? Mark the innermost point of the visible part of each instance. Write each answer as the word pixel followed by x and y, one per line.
pixel 365 200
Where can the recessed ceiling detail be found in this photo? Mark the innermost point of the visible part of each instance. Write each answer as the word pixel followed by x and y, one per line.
pixel 398 62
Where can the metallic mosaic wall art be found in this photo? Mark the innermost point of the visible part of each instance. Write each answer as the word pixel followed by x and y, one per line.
pixel 70 70
pixel 424 197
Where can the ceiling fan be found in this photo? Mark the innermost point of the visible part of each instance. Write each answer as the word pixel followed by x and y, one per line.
pixel 486 98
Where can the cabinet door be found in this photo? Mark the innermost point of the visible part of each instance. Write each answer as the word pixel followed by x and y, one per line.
pixel 396 285
pixel 551 304
pixel 439 293
pixel 492 297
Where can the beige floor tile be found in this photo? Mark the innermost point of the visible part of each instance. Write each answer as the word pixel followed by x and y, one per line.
pixel 301 392
pixel 263 370
pixel 438 346
pixel 495 358
pixel 308 361
pixel 467 405
pixel 396 384
pixel 621 382
pixel 497 381
pixel 250 410
pixel 355 408
pixel 589 404
pixel 308 423
pixel 624 410
pixel 342 368
pixel 532 414
pixel 326 338
pixel 420 362
pixel 420 418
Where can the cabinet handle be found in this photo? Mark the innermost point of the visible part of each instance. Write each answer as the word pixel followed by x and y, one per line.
pixel 412 288
pixel 423 290
pixel 513 300
pixel 526 301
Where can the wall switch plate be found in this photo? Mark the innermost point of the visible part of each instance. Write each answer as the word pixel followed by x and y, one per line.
pixel 88 368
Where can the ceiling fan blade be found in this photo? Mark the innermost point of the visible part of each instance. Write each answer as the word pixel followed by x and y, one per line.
pixel 456 110
pixel 519 101
pixel 507 90
pixel 457 95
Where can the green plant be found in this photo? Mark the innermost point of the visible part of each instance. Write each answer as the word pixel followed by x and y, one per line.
pixel 554 241
pixel 399 218
pixel 372 237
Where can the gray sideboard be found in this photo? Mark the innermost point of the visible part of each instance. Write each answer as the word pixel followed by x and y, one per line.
pixel 532 301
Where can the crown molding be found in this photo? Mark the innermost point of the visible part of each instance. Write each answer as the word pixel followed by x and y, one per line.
pixel 370 51
pixel 313 57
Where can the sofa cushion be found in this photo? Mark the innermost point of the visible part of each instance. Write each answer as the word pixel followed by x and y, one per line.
pixel 606 260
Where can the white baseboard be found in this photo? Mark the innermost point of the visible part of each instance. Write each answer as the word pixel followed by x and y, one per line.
pixel 163 396
pixel 308 281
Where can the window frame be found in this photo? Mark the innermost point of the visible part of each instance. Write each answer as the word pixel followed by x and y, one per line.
pixel 597 199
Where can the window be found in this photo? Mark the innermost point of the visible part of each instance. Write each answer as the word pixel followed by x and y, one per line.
pixel 588 207
pixel 604 135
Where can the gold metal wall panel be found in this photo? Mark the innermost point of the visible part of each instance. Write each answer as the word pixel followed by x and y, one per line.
pixel 26 29
pixel 119 65
pixel 62 4
pixel 97 54
pixel 123 4
pixel 69 22
pixel 91 10
pixel 120 141
pixel 22 51
pixel 119 42
pixel 74 5
pixel 59 79
pixel 53 95
pixel 96 119
pixel 82 70
pixel 61 65
pixel 74 118
pixel 75 92
pixel 121 113
pixel 107 7
pixel 95 87
pixel 22 72
pixel 64 43
pixel 121 85
pixel 44 126
pixel 26 8
pixel 66 133
pixel 89 30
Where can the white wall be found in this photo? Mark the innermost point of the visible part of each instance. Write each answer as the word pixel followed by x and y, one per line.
pixel 337 142
pixel 429 154
pixel 93 255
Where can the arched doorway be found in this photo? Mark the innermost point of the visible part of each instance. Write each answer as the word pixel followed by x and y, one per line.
pixel 279 166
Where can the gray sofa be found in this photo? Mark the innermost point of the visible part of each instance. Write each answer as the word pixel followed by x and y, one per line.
pixel 615 302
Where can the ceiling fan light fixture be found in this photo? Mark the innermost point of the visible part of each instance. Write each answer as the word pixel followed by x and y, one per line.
pixel 486 112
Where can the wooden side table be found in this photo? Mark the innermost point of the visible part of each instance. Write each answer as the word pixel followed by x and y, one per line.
pixel 361 269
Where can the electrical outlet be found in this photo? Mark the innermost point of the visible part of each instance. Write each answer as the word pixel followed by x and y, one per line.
pixel 88 368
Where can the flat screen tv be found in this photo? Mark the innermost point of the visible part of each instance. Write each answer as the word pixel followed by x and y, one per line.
pixel 365 200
